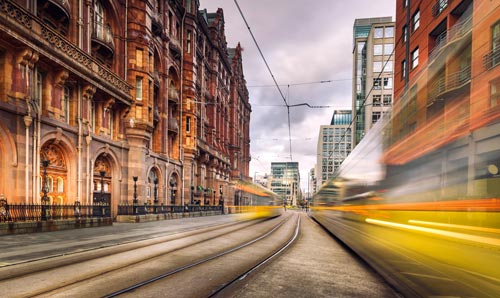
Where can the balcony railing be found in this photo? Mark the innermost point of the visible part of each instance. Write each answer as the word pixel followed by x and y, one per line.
pixel 459 30
pixel 157 23
pixel 17 16
pixel 173 95
pixel 173 125
pixel 62 5
pixel 104 34
pixel 491 59
pixel 448 83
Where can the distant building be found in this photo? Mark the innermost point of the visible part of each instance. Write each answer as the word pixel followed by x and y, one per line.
pixel 311 184
pixel 372 73
pixel 285 181
pixel 334 144
pixel 261 179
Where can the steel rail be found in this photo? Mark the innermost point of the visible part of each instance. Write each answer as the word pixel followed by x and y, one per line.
pixel 202 261
pixel 261 263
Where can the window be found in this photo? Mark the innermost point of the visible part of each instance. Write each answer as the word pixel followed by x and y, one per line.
pixel 377 66
pixel 495 93
pixel 414 58
pixel 377 98
pixel 99 20
pixel 188 43
pixel 416 20
pixel 138 88
pixel 389 32
pixel 376 116
pixel 405 33
pixel 441 5
pixel 405 3
pixel 387 83
pixel 388 48
pixel 379 32
pixel 60 184
pixel 377 83
pixel 37 91
pixel 403 69
pixel 138 58
pixel 495 44
pixel 387 99
pixel 377 49
pixel 188 124
pixel 325 138
pixel 388 66
pixel 65 105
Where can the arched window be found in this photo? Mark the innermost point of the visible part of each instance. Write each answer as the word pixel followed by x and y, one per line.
pixel 60 184
pixel 50 184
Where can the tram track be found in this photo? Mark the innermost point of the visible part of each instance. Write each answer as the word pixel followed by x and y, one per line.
pixel 31 279
pixel 72 272
pixel 220 289
pixel 31 266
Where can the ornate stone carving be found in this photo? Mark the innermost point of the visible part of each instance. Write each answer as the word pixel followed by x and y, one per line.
pixel 53 154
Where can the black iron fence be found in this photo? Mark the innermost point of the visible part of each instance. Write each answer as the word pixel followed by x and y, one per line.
pixel 131 209
pixel 42 212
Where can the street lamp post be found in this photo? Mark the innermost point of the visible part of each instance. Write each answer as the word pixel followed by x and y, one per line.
pixel 205 196
pixel 134 202
pixel 155 194
pixel 221 201
pixel 192 195
pixel 103 213
pixel 172 192
pixel 213 204
pixel 45 199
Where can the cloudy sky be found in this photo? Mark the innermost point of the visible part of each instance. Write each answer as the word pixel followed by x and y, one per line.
pixel 304 42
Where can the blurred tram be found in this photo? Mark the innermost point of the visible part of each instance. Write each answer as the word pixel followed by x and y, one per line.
pixel 429 225
pixel 254 201
pixel 422 205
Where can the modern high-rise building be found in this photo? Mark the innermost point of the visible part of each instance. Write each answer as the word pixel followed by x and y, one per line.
pixel 372 89
pixel 334 144
pixel 285 181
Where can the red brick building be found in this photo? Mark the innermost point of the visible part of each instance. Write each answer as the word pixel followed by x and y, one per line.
pixel 111 90
pixel 447 82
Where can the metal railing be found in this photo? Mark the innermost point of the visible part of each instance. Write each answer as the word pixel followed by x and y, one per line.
pixel 103 33
pixel 459 30
pixel 136 209
pixel 43 212
pixel 450 82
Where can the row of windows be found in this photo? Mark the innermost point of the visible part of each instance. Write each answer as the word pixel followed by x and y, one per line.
pixel 384 32
pixel 383 49
pixel 337 146
pixel 386 66
pixel 414 62
pixel 378 101
pixel 377 83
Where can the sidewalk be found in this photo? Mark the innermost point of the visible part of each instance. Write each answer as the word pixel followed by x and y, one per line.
pixel 24 247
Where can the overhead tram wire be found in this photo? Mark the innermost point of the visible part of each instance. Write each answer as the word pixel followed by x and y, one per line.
pixel 270 72
pixel 303 83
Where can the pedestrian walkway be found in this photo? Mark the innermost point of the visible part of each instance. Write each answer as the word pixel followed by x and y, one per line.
pixel 25 247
